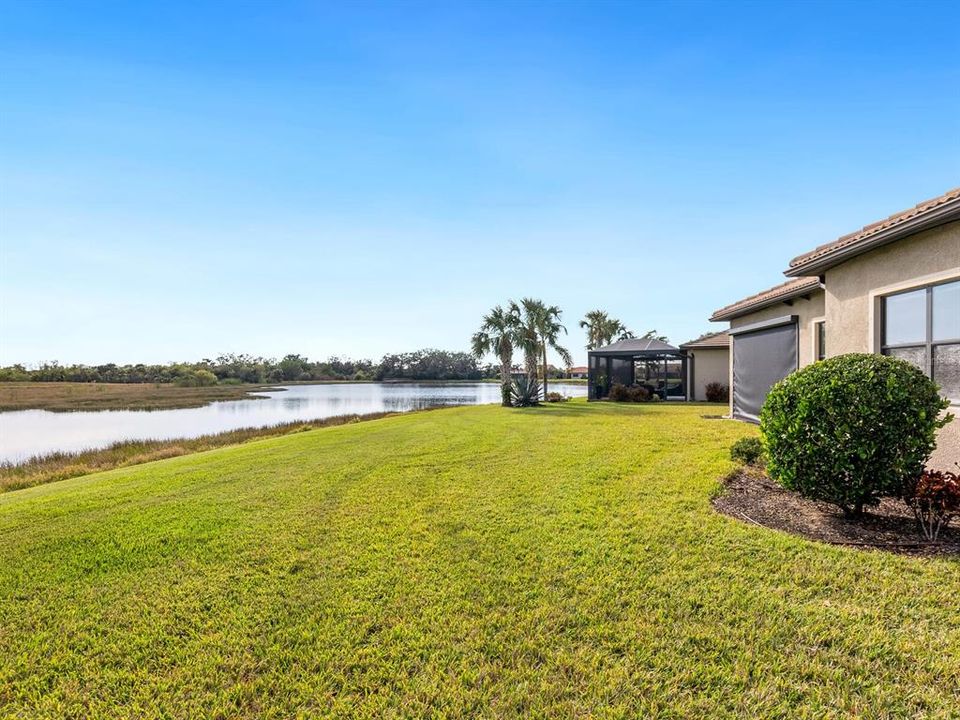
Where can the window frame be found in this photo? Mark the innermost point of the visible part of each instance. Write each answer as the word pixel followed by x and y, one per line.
pixel 819 339
pixel 929 343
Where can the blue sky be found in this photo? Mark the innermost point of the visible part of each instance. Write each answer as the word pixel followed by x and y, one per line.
pixel 182 179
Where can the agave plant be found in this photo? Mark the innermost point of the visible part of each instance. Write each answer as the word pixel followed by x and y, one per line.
pixel 524 392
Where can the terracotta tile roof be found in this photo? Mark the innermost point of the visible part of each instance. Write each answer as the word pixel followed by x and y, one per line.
pixel 784 291
pixel 709 340
pixel 869 231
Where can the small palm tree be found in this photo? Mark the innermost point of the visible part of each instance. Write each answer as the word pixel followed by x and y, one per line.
pixel 496 335
pixel 542 326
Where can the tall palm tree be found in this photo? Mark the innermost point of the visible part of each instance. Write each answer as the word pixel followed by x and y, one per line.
pixel 616 329
pixel 526 337
pixel 496 335
pixel 542 323
pixel 602 329
pixel 593 322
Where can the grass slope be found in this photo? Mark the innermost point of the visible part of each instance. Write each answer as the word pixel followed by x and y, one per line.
pixel 472 562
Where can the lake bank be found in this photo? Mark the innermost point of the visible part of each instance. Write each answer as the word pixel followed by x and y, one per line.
pixel 62 466
pixel 25 434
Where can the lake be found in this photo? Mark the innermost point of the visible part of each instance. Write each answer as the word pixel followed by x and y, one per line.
pixel 26 433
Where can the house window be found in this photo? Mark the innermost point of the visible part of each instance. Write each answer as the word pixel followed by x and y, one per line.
pixel 821 339
pixel 923 327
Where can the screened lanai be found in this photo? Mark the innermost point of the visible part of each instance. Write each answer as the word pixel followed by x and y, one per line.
pixel 657 366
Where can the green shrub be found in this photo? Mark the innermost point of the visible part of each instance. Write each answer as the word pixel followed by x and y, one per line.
pixel 555 397
pixel 748 451
pixel 196 378
pixel 628 393
pixel 851 429
pixel 717 392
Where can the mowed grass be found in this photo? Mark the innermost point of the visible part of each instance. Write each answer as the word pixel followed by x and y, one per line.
pixel 561 561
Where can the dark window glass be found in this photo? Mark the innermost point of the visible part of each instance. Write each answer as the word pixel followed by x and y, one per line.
pixel 905 318
pixel 946 311
pixel 946 370
pixel 821 340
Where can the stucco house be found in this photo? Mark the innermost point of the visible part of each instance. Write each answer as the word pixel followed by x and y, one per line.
pixel 708 361
pixel 892 287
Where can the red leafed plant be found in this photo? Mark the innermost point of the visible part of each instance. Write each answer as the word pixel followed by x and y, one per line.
pixel 934 498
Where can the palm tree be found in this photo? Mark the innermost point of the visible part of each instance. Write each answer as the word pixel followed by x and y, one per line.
pixel 525 329
pixel 602 329
pixel 593 322
pixel 542 325
pixel 652 335
pixel 496 335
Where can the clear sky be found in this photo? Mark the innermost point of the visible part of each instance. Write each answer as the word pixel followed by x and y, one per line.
pixel 181 179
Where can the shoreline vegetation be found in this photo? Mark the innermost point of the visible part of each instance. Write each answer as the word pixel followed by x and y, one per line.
pixel 44 469
pixel 70 396
pixel 93 396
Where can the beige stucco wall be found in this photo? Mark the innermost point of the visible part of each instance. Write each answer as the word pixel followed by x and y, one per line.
pixel 855 287
pixel 709 365
pixel 946 456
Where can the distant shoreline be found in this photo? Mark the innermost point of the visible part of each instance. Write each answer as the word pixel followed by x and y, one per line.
pixel 93 396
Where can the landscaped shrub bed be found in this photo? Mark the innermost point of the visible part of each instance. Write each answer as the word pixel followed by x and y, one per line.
pixel 629 393
pixel 852 429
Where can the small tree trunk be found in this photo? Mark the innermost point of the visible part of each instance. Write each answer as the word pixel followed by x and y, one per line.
pixel 530 360
pixel 505 379
pixel 544 372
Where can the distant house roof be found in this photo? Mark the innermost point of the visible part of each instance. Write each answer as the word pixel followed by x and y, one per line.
pixel 579 369
pixel 780 293
pixel 708 340
pixel 635 345
pixel 925 215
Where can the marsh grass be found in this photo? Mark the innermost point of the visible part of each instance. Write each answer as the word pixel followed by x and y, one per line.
pixel 67 396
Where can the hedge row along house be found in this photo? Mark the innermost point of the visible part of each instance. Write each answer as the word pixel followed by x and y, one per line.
pixel 892 287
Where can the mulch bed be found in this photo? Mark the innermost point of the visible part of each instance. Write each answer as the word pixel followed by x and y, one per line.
pixel 752 497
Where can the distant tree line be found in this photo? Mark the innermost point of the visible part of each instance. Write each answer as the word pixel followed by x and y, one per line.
pixel 428 364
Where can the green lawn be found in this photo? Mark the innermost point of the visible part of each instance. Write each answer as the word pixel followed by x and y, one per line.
pixel 561 561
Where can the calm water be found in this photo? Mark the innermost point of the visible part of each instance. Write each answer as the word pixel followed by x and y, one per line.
pixel 26 433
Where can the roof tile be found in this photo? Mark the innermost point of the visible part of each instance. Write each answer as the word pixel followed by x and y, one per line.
pixel 783 291
pixel 873 228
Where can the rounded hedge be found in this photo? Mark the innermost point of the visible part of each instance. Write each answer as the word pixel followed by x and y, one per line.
pixel 851 429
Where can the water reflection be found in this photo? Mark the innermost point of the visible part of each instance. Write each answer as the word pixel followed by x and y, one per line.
pixel 37 432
